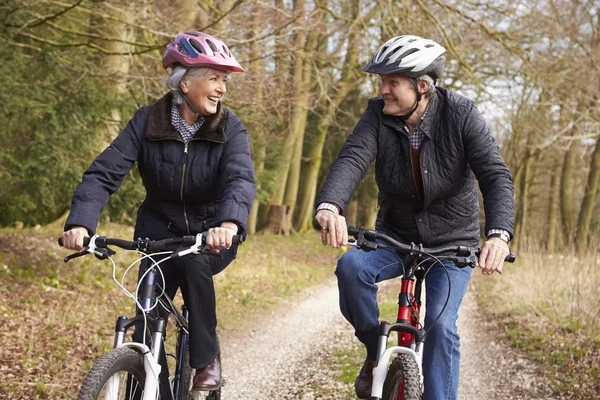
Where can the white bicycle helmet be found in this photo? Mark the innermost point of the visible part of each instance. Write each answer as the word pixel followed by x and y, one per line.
pixel 410 56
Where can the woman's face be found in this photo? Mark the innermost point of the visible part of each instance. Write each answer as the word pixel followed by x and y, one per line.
pixel 399 94
pixel 205 91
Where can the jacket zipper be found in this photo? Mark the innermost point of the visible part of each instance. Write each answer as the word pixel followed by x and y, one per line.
pixel 185 217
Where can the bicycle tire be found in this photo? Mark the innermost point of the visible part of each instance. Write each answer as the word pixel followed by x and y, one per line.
pixel 403 374
pixel 122 360
pixel 186 378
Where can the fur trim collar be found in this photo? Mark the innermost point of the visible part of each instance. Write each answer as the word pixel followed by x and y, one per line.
pixel 160 127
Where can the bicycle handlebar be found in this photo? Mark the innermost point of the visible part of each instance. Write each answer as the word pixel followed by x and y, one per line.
pixel 98 245
pixel 366 240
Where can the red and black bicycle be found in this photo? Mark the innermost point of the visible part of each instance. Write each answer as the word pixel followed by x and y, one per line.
pixel 398 374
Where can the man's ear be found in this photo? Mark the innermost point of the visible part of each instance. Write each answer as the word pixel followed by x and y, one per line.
pixel 423 86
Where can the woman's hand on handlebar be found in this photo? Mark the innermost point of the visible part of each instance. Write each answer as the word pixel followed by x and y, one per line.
pixel 493 253
pixel 73 238
pixel 221 237
pixel 333 225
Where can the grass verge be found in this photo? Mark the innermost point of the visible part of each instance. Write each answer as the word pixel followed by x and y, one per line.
pixel 549 306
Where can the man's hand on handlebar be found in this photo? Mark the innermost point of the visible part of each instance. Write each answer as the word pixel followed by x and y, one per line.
pixel 334 226
pixel 492 256
pixel 73 238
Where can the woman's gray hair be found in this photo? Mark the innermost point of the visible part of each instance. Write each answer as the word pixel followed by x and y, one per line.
pixel 430 84
pixel 178 74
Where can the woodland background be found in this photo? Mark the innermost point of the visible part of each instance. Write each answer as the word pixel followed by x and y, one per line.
pixel 73 72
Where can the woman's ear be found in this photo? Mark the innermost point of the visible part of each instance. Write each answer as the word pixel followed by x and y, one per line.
pixel 184 86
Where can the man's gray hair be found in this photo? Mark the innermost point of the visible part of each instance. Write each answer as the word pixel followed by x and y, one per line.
pixel 430 84
pixel 173 81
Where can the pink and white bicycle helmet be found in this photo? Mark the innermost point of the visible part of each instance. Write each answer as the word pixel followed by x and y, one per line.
pixel 196 49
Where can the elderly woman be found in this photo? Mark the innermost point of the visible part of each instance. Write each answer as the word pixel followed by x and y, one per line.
pixel 194 159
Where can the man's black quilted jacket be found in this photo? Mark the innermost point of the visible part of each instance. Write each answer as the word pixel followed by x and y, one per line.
pixel 458 149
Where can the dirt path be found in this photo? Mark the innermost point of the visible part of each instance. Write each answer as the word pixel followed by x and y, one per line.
pixel 263 364
pixel 286 355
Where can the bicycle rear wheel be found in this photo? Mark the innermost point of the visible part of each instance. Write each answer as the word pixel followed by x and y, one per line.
pixel 403 381
pixel 100 381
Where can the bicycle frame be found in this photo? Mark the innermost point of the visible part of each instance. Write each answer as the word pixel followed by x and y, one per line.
pixel 410 337
pixel 151 356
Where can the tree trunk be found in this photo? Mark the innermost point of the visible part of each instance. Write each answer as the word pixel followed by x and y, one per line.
pixel 371 215
pixel 299 109
pixel 523 203
pixel 278 220
pixel 258 133
pixel 116 66
pixel 587 207
pixel 348 81
pixel 567 211
pixel 259 164
pixel 352 212
pixel 293 182
pixel 553 209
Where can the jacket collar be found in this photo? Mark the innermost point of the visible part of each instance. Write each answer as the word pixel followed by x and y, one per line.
pixel 428 120
pixel 160 127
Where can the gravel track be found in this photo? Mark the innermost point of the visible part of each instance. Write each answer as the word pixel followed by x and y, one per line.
pixel 286 355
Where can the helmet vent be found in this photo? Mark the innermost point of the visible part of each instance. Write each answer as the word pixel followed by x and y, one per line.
pixel 195 44
pixel 191 33
pixel 430 45
pixel 409 52
pixel 211 45
pixel 182 50
pixel 226 51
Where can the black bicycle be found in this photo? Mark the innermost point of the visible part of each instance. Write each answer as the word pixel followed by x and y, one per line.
pixel 140 371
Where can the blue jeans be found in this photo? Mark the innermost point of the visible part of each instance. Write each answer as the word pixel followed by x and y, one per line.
pixel 358 272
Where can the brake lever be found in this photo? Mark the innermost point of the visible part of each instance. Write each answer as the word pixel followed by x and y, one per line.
pixel 200 247
pixel 364 244
pixel 75 255
pixel 467 261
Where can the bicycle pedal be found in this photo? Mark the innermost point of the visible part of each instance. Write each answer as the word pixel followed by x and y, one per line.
pixel 207 395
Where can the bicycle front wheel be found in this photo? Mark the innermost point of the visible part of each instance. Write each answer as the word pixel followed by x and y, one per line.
pixel 403 381
pixel 119 374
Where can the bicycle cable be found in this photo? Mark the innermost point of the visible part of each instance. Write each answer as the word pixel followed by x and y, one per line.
pixel 437 260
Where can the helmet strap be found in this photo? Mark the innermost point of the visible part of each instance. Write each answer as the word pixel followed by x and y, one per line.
pixel 197 114
pixel 407 116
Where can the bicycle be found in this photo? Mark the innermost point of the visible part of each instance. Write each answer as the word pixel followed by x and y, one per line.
pixel 402 379
pixel 140 371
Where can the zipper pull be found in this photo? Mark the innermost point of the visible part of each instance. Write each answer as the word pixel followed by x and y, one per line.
pixel 185 147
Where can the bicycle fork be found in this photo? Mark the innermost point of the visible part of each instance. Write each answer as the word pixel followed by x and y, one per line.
pixel 151 355
pixel 410 337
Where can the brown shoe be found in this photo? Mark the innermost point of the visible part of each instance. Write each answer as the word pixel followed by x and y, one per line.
pixel 209 377
pixel 364 380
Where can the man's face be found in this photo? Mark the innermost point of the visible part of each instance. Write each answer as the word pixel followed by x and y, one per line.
pixel 398 93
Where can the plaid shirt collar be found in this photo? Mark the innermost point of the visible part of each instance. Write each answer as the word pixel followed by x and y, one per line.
pixel 186 131
pixel 423 128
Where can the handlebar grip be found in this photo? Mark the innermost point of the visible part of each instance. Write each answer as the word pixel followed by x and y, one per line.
pixel 511 258
pixel 316 225
pixel 86 241
pixel 237 239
